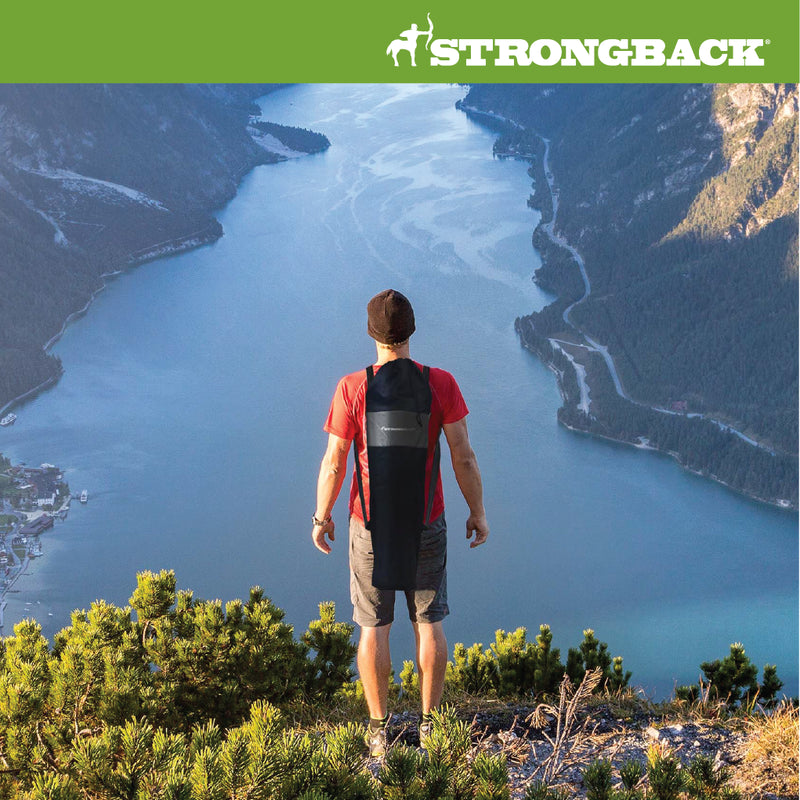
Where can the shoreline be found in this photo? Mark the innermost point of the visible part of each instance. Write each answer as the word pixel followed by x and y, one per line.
pixel 645 445
pixel 179 244
pixel 30 393
pixel 675 456
pixel 602 350
pixel 169 247
pixel 152 252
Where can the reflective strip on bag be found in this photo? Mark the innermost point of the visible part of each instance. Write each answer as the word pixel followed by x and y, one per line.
pixel 397 429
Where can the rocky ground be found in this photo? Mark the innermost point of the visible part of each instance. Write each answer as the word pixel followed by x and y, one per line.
pixel 536 748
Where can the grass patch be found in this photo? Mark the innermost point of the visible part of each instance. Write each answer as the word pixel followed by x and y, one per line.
pixel 770 754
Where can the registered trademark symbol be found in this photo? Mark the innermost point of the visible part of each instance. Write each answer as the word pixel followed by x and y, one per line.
pixel 767 41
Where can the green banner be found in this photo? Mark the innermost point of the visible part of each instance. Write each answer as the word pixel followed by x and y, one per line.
pixel 439 41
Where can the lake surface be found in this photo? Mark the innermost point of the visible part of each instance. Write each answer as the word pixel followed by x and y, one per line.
pixel 196 387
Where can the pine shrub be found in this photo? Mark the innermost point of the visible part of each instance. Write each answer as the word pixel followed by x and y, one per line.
pixel 664 774
pixel 597 778
pixel 539 790
pixel 334 651
pixel 591 654
pixel 733 681
pixel 631 773
pixel 491 777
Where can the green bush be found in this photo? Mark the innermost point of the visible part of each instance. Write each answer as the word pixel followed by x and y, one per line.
pixel 514 667
pixel 539 790
pixel 181 664
pixel 704 781
pixel 732 680
pixel 334 651
pixel 664 774
pixel 261 758
pixel 592 654
pixel 631 773
pixel 447 773
pixel 597 778
pixel 667 779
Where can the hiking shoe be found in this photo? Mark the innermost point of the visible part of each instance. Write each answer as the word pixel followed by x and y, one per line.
pixel 424 733
pixel 376 742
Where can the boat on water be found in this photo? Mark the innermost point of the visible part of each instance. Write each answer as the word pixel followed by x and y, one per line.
pixel 84 496
pixel 8 419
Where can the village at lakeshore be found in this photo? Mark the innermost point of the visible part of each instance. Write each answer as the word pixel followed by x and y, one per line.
pixel 32 500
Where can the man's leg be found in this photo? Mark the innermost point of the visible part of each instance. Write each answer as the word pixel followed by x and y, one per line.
pixel 427 607
pixel 431 662
pixel 373 612
pixel 374 668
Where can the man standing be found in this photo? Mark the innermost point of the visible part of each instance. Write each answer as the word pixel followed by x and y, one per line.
pixel 390 322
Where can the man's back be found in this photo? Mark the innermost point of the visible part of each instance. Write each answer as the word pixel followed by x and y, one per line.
pixel 347 416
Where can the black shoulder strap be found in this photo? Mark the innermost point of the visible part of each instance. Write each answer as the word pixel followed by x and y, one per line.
pixel 370 376
pixel 434 481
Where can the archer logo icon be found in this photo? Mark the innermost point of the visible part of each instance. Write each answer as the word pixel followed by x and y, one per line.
pixel 407 40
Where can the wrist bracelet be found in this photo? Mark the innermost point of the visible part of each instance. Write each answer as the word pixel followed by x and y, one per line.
pixel 320 522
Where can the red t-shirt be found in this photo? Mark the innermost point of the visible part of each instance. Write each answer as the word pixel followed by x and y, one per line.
pixel 346 420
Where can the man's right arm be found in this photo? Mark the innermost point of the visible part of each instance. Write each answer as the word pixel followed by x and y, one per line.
pixel 468 475
pixel 331 476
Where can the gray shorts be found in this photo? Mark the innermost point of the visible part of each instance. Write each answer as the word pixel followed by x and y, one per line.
pixel 428 603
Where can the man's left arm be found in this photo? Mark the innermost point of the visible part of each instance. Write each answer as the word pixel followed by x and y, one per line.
pixel 468 477
pixel 332 472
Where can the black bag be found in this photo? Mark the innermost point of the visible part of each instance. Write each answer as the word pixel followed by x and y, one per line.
pixel 397 413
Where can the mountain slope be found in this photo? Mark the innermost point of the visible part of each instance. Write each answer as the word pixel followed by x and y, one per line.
pixel 682 202
pixel 94 178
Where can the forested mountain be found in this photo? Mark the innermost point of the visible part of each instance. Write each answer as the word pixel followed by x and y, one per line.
pixel 94 178
pixel 682 202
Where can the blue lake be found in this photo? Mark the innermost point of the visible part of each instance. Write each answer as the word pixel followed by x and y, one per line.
pixel 196 387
